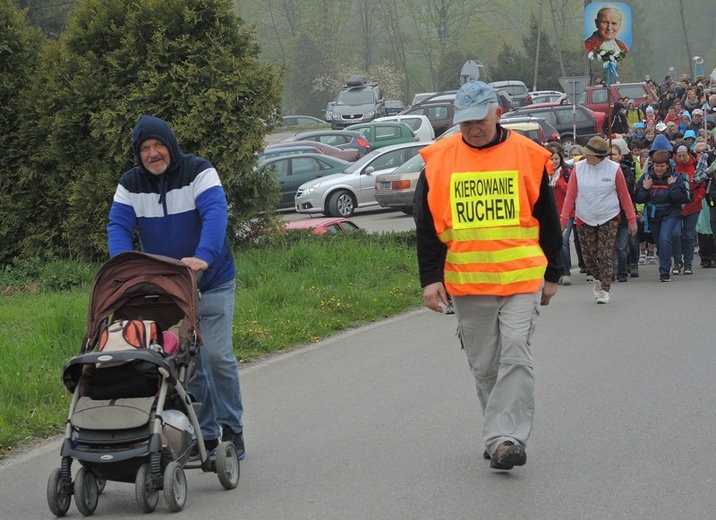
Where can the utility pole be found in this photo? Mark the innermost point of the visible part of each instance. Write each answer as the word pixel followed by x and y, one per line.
pixel 539 41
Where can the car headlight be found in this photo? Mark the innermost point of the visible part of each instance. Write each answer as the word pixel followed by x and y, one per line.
pixel 370 114
pixel 335 116
pixel 310 189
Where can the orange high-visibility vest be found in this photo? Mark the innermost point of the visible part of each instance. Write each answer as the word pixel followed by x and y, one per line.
pixel 481 202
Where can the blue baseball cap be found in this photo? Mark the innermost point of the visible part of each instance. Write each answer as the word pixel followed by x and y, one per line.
pixel 472 101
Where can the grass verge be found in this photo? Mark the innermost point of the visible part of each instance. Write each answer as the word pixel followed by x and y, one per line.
pixel 293 289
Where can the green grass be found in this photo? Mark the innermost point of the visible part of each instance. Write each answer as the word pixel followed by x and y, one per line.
pixel 294 289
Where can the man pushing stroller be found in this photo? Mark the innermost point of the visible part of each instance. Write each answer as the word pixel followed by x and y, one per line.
pixel 177 203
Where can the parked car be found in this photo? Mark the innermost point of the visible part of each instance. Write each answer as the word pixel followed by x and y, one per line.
pixel 328 112
pixel 419 124
pixel 383 134
pixel 301 121
pixel 439 120
pixel 439 114
pixel 595 97
pixel 561 117
pixel 420 96
pixel 293 170
pixel 338 138
pixel 545 96
pixel 340 194
pixel 517 90
pixel 347 154
pixel 550 132
pixel 530 129
pixel 323 225
pixel 358 102
pixel 396 189
pixel 393 107
pixel 270 153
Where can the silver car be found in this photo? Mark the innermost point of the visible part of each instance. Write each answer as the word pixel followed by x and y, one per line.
pixel 396 189
pixel 340 194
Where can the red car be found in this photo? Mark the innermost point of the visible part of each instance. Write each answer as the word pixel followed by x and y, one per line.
pixel 323 225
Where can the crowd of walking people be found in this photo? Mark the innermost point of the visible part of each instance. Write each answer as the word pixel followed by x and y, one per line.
pixel 644 194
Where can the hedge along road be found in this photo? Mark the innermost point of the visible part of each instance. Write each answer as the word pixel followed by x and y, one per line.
pixel 383 422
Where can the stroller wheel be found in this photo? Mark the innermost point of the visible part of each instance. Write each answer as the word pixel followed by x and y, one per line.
pixel 175 486
pixel 59 493
pixel 227 465
pixel 86 492
pixel 101 484
pixel 144 489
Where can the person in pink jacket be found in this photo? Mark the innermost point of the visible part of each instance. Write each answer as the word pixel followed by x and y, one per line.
pixel 597 191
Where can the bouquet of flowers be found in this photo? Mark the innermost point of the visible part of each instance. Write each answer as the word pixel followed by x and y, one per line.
pixel 607 55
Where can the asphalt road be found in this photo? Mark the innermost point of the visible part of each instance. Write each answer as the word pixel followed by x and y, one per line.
pixel 383 422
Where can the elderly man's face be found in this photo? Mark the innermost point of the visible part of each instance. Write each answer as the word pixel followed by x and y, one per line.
pixel 481 132
pixel 609 23
pixel 155 156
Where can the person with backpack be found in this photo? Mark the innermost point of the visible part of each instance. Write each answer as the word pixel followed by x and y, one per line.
pixel 662 192
pixel 684 238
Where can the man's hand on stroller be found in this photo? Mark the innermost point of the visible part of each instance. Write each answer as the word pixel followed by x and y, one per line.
pixel 196 264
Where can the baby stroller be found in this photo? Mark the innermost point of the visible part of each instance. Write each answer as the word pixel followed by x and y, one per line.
pixel 131 419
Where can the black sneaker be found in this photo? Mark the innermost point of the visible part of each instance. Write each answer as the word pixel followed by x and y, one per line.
pixel 210 447
pixel 622 277
pixel 664 278
pixel 508 455
pixel 688 270
pixel 227 434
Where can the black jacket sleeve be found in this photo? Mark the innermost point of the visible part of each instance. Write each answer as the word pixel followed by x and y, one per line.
pixel 550 229
pixel 431 251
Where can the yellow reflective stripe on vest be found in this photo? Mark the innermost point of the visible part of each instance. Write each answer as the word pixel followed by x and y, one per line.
pixel 519 275
pixel 496 233
pixel 493 257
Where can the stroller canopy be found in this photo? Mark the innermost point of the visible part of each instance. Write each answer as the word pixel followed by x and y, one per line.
pixel 134 285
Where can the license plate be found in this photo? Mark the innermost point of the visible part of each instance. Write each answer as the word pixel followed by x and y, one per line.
pixel 385 185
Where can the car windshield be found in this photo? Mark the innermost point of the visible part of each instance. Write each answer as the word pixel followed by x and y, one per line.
pixel 360 163
pixel 414 164
pixel 355 97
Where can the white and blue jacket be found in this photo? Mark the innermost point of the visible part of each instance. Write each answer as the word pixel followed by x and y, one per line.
pixel 182 213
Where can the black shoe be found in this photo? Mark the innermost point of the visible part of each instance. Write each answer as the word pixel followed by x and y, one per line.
pixel 508 455
pixel 634 271
pixel 664 278
pixel 210 447
pixel 688 270
pixel 622 278
pixel 237 439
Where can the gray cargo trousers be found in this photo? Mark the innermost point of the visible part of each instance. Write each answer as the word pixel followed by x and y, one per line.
pixel 496 333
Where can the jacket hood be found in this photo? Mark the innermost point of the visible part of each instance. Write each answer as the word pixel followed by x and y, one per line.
pixel 149 127
pixel 661 143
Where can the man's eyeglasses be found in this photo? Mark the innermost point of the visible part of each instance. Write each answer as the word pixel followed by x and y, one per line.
pixel 700 151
